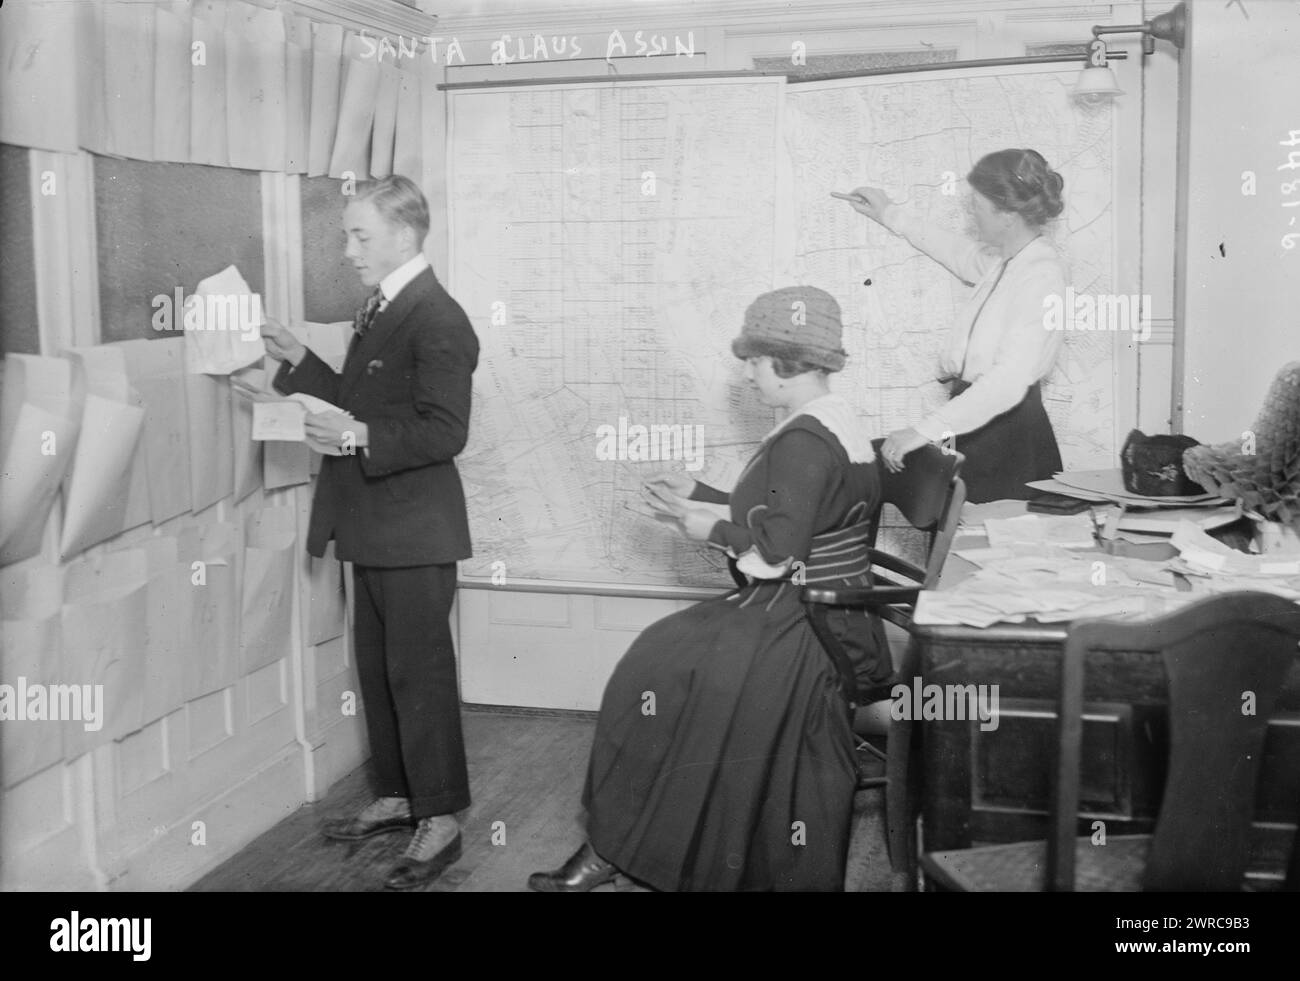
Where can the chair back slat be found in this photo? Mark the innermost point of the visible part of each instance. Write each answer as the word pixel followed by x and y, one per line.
pixel 1226 660
pixel 1065 779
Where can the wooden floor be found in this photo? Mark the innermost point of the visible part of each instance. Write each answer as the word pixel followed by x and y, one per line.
pixel 526 772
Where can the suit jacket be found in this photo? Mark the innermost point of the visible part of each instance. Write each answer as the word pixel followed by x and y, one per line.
pixel 398 502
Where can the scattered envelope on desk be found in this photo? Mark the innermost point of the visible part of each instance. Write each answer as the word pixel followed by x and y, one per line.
pixel 1207 554
pixel 1068 531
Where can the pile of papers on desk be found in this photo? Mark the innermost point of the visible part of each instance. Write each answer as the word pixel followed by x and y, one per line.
pixel 1023 574
pixel 1212 567
pixel 1134 517
pixel 1050 584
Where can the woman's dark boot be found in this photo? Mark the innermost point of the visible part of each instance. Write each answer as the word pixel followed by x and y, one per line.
pixel 584 871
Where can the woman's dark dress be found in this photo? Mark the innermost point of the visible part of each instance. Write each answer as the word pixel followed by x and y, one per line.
pixel 723 757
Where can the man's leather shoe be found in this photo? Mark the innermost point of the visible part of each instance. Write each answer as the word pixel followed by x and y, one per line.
pixel 412 871
pixel 375 819
pixel 584 871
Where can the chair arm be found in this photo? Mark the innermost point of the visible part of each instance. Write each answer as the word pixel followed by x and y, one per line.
pixel 862 597
pixel 896 565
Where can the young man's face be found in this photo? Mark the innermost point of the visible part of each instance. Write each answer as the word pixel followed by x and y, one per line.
pixel 375 246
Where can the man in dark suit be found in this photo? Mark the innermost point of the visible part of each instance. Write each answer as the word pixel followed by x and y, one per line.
pixel 390 496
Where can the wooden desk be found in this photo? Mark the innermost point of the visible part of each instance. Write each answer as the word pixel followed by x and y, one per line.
pixel 992 786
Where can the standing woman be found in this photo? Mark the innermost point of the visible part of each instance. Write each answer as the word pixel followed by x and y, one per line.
pixel 999 349
pixel 723 757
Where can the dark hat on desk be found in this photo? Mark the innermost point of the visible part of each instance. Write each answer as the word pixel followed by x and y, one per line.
pixel 797 323
pixel 1268 479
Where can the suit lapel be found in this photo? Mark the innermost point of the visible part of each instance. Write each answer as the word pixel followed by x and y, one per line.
pixel 364 349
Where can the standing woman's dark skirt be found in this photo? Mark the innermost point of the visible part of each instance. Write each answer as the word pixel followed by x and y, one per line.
pixel 1009 451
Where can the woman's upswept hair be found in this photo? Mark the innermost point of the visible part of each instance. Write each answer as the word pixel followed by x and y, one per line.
pixel 1020 181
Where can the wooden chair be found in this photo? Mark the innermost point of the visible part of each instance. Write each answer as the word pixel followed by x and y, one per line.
pixel 929 493
pixel 1218 654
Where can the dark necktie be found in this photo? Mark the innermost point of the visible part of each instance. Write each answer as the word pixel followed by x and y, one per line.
pixel 366 315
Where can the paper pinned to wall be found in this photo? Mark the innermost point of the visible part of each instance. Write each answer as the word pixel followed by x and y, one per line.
pixel 91 110
pixel 285 464
pixel 409 130
pixel 40 80
pixel 95 503
pixel 351 152
pixel 255 86
pixel 39 420
pixel 128 80
pixel 31 479
pixel 381 140
pixel 222 319
pixel 211 440
pixel 30 654
pixel 248 452
pixel 167 645
pixel 297 94
pixel 101 370
pixel 326 72
pixel 212 661
pixel 156 370
pixel 208 143
pixel 325 597
pixel 105 613
pixel 266 624
pixel 171 82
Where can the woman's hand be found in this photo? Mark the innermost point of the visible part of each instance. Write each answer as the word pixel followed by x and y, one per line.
pixel 898 444
pixel 663 502
pixel 677 483
pixel 697 524
pixel 873 202
pixel 281 344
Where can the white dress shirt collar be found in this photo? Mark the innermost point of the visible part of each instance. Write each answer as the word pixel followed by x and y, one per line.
pixel 396 281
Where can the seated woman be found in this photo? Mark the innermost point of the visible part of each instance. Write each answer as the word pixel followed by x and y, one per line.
pixel 723 757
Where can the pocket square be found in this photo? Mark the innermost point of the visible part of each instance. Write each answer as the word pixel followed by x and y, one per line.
pixel 374 366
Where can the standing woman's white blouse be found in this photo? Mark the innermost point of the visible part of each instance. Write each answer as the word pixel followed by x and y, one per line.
pixel 1010 348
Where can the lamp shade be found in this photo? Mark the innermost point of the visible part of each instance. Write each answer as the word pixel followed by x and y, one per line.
pixel 1096 84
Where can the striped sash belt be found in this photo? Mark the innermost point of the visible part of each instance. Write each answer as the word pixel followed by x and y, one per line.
pixel 839 554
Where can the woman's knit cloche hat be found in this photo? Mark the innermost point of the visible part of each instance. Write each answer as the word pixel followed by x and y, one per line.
pixel 797 323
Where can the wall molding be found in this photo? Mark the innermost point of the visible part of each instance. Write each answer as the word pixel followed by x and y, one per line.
pixel 812 16
pixel 382 15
